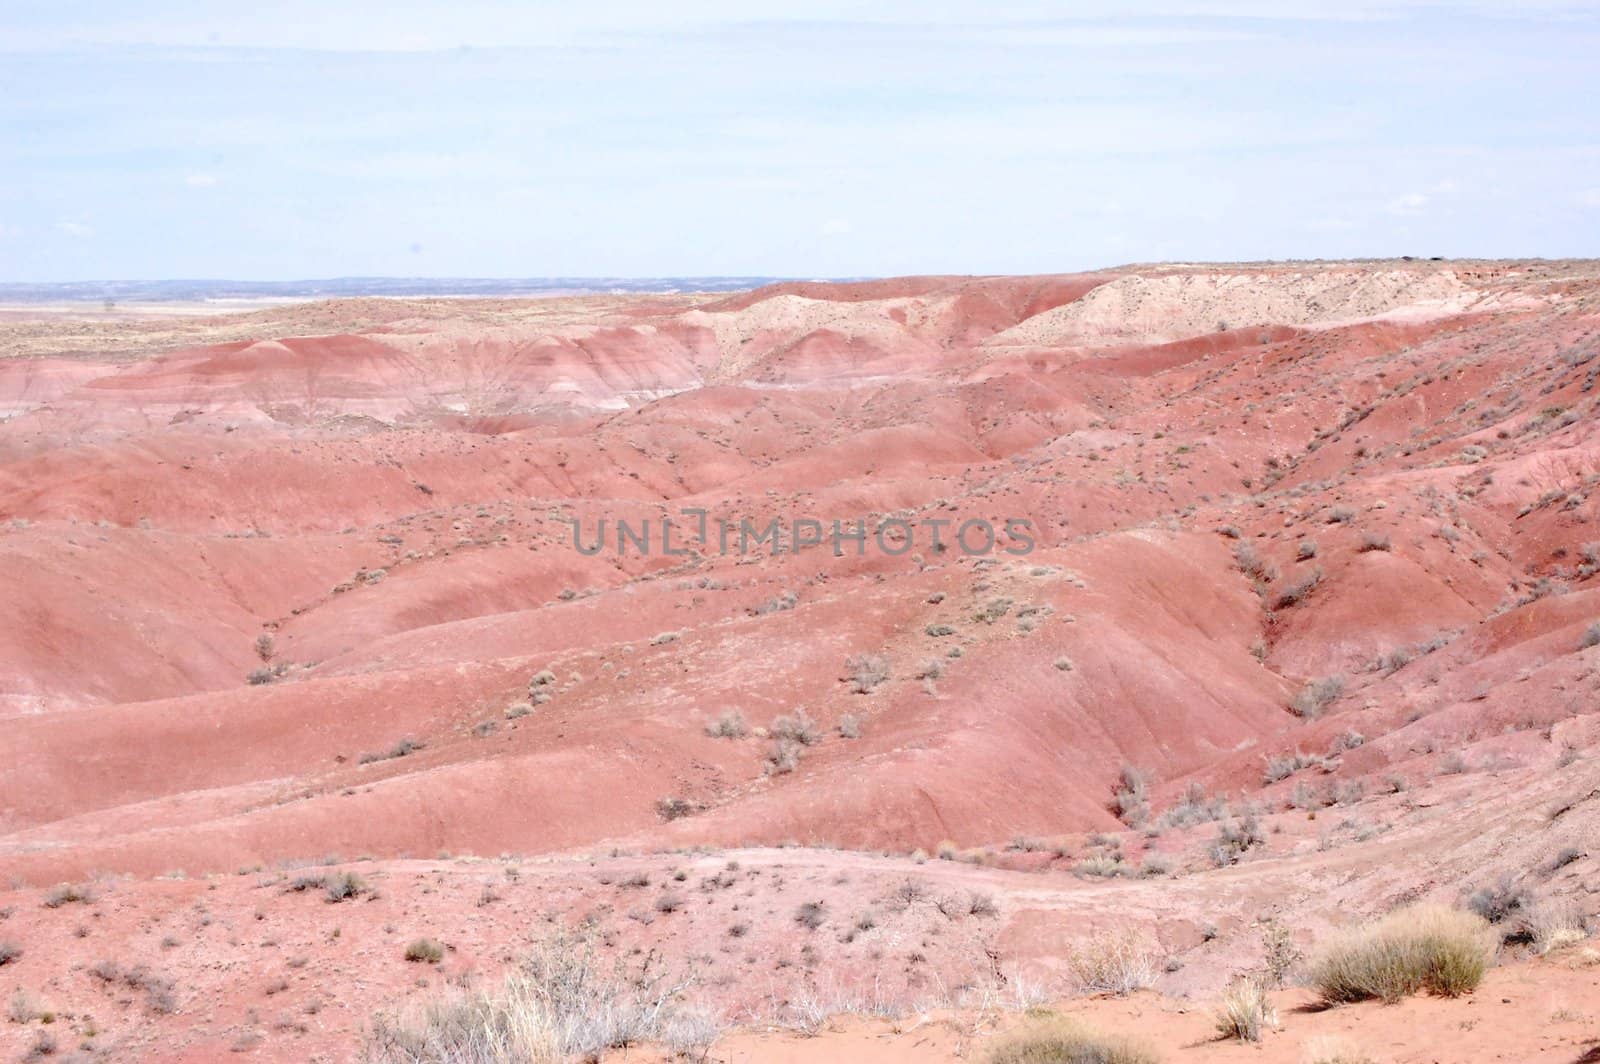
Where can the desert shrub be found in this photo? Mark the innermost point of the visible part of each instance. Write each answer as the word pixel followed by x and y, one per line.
pixel 784 757
pixel 1591 637
pixel 980 904
pixel 1565 856
pixel 932 669
pixel 810 915
pixel 730 724
pixel 939 630
pixel 425 949
pixel 1101 866
pixel 1132 802
pixel 517 710
pixel 1418 948
pixel 66 894
pixel 9 951
pixel 1281 953
pixel 1306 550
pixel 674 808
pixel 560 1004
pixel 1286 765
pixel 849 726
pixel 669 902
pixel 788 600
pixel 1298 590
pixel 867 671
pixel 1156 864
pixel 1373 541
pixel 1317 696
pixel 542 678
pixel 1555 925
pixel 23 1007
pixel 1236 839
pixel 1115 961
pixel 346 885
pixel 1245 1010
pixel 1349 739
pixel 1195 808
pixel 1059 1040
pixel 1340 515
pixel 797 727
pixel 1251 563
pixel 265 646
pixel 404 748
pixel 1305 796
pixel 992 610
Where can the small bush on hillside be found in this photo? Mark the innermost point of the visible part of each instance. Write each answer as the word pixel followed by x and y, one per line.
pixel 867 671
pixel 1131 799
pixel 518 710
pixel 404 748
pixel 560 1004
pixel 849 726
pixel 1418 948
pixel 1115 961
pixel 1317 696
pixel 1234 840
pixel 810 915
pixel 1245 1011
pixel 729 725
pixel 1059 1040
pixel 1196 808
pixel 1591 637
pixel 674 808
pixel 1298 590
pixel 66 894
pixel 9 951
pixel 1286 765
pixel 1306 550
pixel 1501 901
pixel 425 950
pixel 346 885
pixel 1374 541
pixel 784 757
pixel 797 727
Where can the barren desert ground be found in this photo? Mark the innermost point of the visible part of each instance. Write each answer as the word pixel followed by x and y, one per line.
pixel 313 715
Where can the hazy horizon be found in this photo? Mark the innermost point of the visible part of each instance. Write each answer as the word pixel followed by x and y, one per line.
pixel 170 140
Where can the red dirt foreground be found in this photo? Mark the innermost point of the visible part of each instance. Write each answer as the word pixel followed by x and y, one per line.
pixel 1198 615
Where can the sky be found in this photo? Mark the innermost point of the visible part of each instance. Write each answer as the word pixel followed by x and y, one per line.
pixel 179 139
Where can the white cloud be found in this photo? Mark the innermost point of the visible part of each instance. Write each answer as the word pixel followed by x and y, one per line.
pixel 80 230
pixel 201 180
pixel 1408 206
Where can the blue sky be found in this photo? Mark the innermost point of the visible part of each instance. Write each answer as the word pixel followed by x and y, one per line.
pixel 176 139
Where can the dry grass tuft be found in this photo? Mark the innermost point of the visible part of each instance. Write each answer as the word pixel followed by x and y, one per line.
pixel 1419 948
pixel 1245 1011
pixel 563 1003
pixel 1059 1040
pixel 1116 961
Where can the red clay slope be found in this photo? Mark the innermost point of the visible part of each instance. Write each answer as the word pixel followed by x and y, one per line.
pixel 244 570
